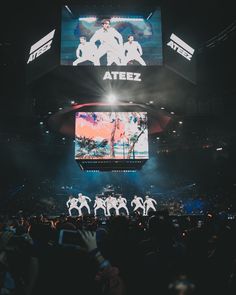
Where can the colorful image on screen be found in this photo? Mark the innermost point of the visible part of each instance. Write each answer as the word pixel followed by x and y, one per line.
pixel 114 40
pixel 111 135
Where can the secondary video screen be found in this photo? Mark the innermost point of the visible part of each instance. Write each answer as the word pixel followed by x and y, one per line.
pixel 111 135
pixel 103 40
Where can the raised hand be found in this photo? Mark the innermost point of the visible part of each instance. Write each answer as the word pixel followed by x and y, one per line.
pixel 89 239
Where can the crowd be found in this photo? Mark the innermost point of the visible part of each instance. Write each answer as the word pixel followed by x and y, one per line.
pixel 154 254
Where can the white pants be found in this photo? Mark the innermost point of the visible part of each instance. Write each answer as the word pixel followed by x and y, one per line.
pixel 114 54
pixel 109 207
pixel 74 207
pixel 124 207
pixel 150 207
pixel 136 57
pixel 86 206
pixel 82 59
pixel 99 207
pixel 139 207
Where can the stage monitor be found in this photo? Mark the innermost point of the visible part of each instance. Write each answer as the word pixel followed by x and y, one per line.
pixel 111 140
pixel 110 39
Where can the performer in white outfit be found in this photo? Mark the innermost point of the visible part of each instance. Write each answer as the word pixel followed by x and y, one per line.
pixel 133 51
pixel 138 202
pixel 111 203
pixel 122 203
pixel 72 204
pixel 83 202
pixel 148 204
pixel 99 203
pixel 111 44
pixel 85 51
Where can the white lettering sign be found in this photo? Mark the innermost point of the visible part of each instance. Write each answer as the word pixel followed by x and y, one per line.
pixel 122 76
pixel 181 47
pixel 41 46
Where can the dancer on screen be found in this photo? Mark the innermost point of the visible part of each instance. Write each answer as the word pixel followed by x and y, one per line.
pixel 85 52
pixel 133 51
pixel 111 44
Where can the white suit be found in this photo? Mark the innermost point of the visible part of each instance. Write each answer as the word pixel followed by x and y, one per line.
pixel 83 202
pixel 85 52
pixel 138 202
pixel 72 204
pixel 111 44
pixel 133 51
pixel 111 202
pixel 122 204
pixel 99 203
pixel 149 204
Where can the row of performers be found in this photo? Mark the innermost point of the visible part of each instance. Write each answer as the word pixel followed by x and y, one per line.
pixel 110 203
pixel 111 45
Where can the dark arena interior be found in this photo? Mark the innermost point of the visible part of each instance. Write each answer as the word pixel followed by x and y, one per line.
pixel 117 147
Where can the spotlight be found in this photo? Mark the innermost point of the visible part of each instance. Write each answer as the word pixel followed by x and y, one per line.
pixel 158 138
pixel 180 122
pixel 174 131
pixel 72 102
pixel 162 108
pixel 151 102
pixel 219 149
pixel 47 131
pixel 111 98
pixel 60 109
pixel 49 113
pixel 41 123
pixel 172 113
pixel 63 138
pixel 130 102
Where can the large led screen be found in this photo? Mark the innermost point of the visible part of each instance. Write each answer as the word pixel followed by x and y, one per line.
pixel 110 40
pixel 111 136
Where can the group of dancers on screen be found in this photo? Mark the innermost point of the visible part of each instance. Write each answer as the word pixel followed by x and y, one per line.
pixel 111 202
pixel 111 45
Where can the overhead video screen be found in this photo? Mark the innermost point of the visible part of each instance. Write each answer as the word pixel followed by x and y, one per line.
pixel 121 40
pixel 111 136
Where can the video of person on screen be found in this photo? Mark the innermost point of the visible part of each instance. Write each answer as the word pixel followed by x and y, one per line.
pixel 120 41
pixel 111 135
